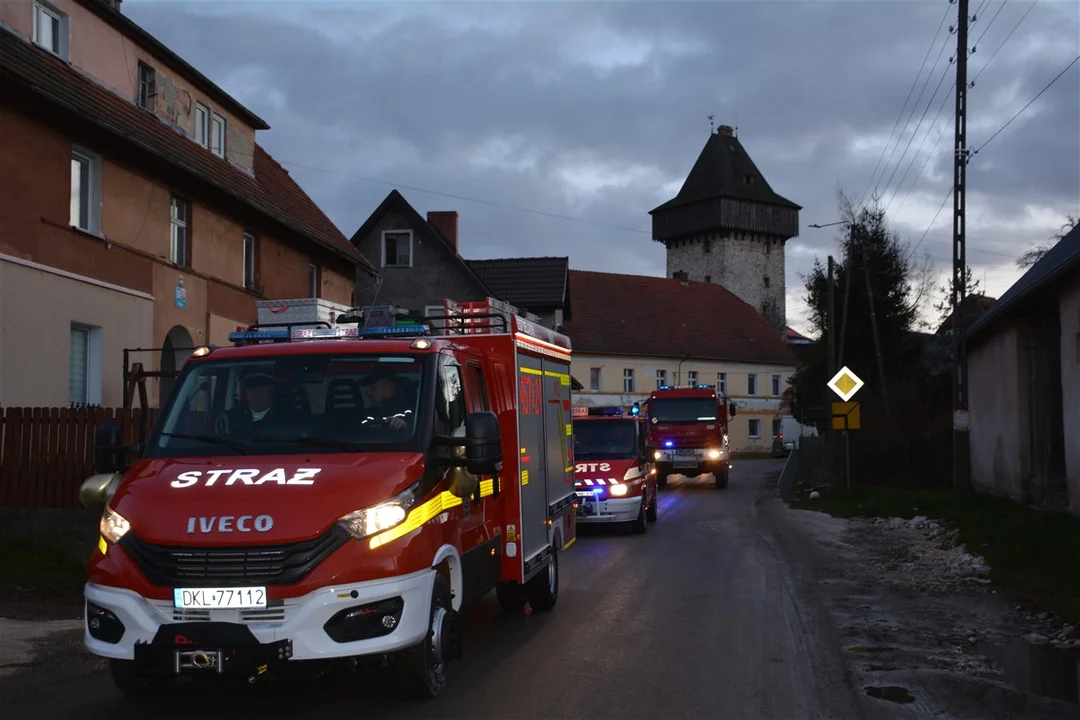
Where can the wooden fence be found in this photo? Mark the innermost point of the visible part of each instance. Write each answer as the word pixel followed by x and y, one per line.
pixel 46 453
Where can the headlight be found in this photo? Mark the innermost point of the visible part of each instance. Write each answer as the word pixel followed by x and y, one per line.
pixel 715 454
pixel 113 525
pixel 618 490
pixel 658 455
pixel 370 521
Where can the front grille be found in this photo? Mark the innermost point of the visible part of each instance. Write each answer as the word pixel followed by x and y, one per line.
pixel 274 615
pixel 171 566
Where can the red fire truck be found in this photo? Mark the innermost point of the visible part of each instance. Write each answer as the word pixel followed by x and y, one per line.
pixel 335 494
pixel 614 478
pixel 688 432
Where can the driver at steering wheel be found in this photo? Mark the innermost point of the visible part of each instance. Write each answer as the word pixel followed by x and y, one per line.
pixel 384 397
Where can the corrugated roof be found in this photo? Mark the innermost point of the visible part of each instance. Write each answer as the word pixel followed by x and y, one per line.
pixel 536 283
pixel 272 192
pixel 635 315
pixel 1055 264
pixel 720 172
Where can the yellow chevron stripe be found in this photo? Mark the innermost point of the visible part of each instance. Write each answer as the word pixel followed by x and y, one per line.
pixel 423 514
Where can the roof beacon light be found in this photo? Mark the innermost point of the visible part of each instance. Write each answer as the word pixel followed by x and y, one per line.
pixel 395 331
pixel 635 409
pixel 255 336
pixel 606 411
pixel 324 333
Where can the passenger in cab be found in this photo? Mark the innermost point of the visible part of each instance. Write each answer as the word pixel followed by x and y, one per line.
pixel 385 399
pixel 255 412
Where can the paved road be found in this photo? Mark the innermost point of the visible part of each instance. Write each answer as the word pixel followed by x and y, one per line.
pixel 702 617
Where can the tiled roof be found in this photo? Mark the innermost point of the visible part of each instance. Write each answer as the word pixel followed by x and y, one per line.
pixel 634 315
pixel 793 334
pixel 532 284
pixel 272 192
pixel 970 310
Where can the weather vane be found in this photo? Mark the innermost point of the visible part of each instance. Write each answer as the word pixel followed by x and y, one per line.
pixel 712 127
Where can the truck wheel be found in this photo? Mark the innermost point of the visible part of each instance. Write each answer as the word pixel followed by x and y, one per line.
pixel 639 525
pixel 427 665
pixel 133 684
pixel 722 478
pixel 511 597
pixel 650 511
pixel 543 590
pixel 661 480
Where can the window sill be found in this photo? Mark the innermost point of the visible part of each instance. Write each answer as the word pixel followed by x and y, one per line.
pixel 89 233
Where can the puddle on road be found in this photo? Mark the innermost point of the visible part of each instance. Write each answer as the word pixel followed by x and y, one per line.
pixel 1040 669
pixel 892 693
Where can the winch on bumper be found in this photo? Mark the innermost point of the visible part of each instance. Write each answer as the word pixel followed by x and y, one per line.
pixel 367 618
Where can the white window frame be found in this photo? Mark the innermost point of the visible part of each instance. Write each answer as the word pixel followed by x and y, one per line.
pixel 382 247
pixel 751 384
pixel 721 382
pixel 661 377
pixel 750 428
pixel 175 224
pixel 313 280
pixel 151 93
pixel 93 191
pixel 778 385
pixel 249 261
pixel 691 377
pixel 628 384
pixel 202 124
pixel 93 364
pixel 215 122
pixel 63 51
pixel 599 384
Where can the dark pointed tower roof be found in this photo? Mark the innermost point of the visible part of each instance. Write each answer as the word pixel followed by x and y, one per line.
pixel 725 191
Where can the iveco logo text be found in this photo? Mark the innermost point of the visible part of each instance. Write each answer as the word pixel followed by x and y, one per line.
pixel 277 476
pixel 230 523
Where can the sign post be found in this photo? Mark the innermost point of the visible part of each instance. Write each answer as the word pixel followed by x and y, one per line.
pixel 846 415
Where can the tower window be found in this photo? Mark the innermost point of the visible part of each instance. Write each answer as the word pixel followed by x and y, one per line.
pixel 708 278
pixel 766 281
pixel 748 179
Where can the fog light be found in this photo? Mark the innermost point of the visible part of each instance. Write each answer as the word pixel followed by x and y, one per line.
pixel 103 624
pixel 362 622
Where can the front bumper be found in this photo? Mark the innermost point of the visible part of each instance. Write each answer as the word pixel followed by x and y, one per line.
pixel 294 629
pixel 609 510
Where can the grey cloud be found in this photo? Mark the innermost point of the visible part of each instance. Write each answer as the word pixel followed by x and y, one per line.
pixel 427 84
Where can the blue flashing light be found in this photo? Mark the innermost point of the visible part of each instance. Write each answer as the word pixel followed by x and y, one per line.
pixel 598 491
pixel 324 333
pixel 395 330
pixel 269 334
pixel 635 410
pixel 606 411
pixel 669 443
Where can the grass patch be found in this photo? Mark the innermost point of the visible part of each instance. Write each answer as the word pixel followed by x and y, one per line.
pixel 40 570
pixel 1032 553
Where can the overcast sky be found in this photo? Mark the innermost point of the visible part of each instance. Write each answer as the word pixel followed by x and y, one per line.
pixel 553 128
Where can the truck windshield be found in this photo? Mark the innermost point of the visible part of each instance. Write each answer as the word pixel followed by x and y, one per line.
pixel 292 404
pixel 683 410
pixel 605 439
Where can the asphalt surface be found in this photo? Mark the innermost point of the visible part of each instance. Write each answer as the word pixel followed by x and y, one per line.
pixel 704 616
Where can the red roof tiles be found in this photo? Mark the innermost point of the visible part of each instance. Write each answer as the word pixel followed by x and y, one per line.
pixel 272 192
pixel 635 315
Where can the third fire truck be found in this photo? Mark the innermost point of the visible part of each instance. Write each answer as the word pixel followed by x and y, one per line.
pixel 688 432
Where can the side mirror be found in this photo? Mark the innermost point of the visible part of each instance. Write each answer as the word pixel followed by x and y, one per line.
pixel 483 443
pixel 731 410
pixel 108 448
pixel 650 453
pixel 97 490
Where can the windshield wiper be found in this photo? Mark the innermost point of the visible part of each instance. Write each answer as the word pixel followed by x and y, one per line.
pixel 310 439
pixel 209 439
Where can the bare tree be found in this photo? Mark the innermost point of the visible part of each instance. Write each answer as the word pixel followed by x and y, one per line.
pixel 1035 254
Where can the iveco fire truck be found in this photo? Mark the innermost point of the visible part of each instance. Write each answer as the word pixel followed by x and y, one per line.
pixel 688 432
pixel 614 479
pixel 335 494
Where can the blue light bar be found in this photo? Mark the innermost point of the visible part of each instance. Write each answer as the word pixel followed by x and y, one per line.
pixel 324 333
pixel 269 334
pixel 395 330
pixel 606 411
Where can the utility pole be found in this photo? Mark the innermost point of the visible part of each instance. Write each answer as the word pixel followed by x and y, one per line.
pixel 961 457
pixel 831 366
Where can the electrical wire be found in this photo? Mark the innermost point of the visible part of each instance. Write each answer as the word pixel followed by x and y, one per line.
pixel 929 156
pixel 994 54
pixel 975 45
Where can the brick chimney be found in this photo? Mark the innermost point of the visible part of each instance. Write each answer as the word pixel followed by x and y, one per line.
pixel 725 130
pixel 445 221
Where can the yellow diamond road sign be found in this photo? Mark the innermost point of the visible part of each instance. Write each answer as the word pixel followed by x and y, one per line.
pixel 845 384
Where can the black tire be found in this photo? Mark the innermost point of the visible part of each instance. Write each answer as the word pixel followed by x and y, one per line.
pixel 640 524
pixel 542 590
pixel 511 597
pixel 650 511
pixel 661 480
pixel 426 668
pixel 134 685
pixel 723 477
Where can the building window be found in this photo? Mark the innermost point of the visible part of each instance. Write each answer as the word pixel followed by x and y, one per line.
pixel 691 377
pixel 84 365
pixel 661 378
pixel 147 87
pixel 751 384
pixel 755 428
pixel 249 261
pixel 180 232
pixel 51 29
pixel 766 279
pixel 217 135
pixel 313 281
pixel 721 382
pixel 85 207
pixel 775 384
pixel 594 379
pixel 708 278
pixel 776 427
pixel 202 125
pixel 397 248
pixel 628 380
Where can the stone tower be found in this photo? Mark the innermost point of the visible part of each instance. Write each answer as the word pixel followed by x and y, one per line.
pixel 727 226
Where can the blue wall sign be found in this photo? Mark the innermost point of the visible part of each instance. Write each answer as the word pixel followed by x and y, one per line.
pixel 180 299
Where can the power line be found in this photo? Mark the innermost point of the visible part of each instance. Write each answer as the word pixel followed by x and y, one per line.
pixel 914 82
pixel 994 54
pixel 1030 102
pixel 929 157
pixel 988 25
